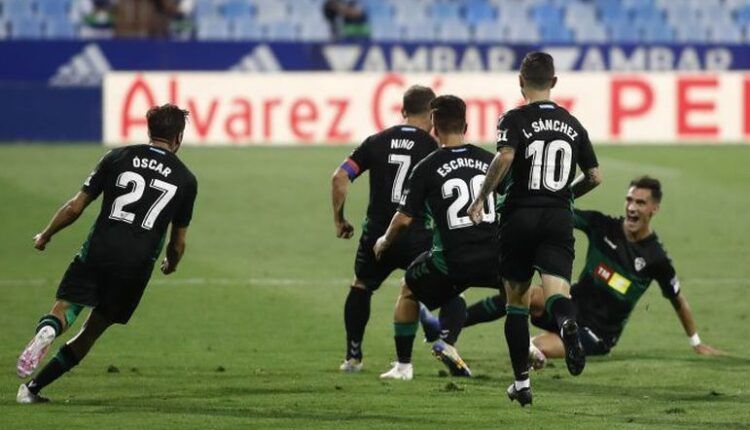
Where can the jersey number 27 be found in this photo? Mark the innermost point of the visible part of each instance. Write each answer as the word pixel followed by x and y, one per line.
pixel 119 213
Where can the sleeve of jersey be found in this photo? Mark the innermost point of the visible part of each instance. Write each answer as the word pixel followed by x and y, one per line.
pixel 507 132
pixel 582 220
pixel 94 184
pixel 184 213
pixel 586 156
pixel 666 276
pixel 357 162
pixel 413 200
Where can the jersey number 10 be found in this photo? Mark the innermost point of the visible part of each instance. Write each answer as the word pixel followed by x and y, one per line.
pixel 544 164
pixel 119 213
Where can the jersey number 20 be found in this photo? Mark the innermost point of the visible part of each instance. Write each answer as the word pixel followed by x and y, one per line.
pixel 544 164
pixel 139 185
pixel 464 193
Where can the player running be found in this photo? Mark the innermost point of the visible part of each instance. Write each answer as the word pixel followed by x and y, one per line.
pixel 623 258
pixel 463 255
pixel 390 157
pixel 539 145
pixel 145 187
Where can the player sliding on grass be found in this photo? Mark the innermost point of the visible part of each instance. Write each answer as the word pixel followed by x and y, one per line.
pixel 623 258
pixel 146 187
pixel 539 145
pixel 463 254
pixel 390 156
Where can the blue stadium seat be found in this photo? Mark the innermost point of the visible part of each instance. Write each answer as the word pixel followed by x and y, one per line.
pixel 624 32
pixel 444 10
pixel 26 27
pixel 742 15
pixel 60 27
pixel 556 34
pixel 236 8
pixel 205 8
pixel 283 31
pixel 454 30
pixel 406 12
pixel 477 11
pixel 591 33
pixel 379 11
pixel 247 29
pixel 16 8
pixel 547 14
pixel 488 31
pixel 421 30
pixel 658 34
pixel 691 33
pixel 213 28
pixel 725 32
pixel 387 32
pixel 52 8
pixel 315 32
pixel 613 14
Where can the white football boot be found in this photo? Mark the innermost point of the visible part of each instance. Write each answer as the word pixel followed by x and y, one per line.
pixel 351 365
pixel 400 371
pixel 26 397
pixel 35 352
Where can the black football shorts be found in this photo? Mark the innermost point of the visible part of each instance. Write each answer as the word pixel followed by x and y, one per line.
pixel 399 255
pixel 536 239
pixel 112 291
pixel 433 287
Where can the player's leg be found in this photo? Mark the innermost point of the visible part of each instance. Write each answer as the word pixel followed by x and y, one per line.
pixel 486 310
pixel 62 315
pixel 405 324
pixel 369 275
pixel 67 357
pixel 517 337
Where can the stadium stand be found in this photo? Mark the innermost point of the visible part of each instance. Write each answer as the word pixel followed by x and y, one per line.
pixel 520 21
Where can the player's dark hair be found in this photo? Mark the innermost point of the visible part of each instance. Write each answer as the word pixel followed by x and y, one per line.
pixel 538 69
pixel 165 122
pixel 448 114
pixel 648 183
pixel 417 99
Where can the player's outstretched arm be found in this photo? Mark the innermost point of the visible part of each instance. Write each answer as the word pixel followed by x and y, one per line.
pixel 65 216
pixel 399 222
pixel 590 179
pixel 175 250
pixel 339 189
pixel 495 173
pixel 682 308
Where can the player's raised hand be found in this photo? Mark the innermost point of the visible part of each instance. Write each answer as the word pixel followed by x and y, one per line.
pixel 476 210
pixel 167 267
pixel 703 349
pixel 344 230
pixel 41 241
pixel 380 246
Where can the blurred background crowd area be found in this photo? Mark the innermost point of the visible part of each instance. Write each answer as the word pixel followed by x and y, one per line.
pixel 460 21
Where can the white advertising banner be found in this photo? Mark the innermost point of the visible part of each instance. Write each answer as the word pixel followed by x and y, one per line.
pixel 336 108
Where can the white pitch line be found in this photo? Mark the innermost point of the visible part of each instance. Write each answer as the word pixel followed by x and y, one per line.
pixel 304 281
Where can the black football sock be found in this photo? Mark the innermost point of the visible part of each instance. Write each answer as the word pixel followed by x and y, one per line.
pixel 517 336
pixel 452 317
pixel 489 309
pixel 356 315
pixel 63 361
pixel 561 309
pixel 404 334
pixel 51 321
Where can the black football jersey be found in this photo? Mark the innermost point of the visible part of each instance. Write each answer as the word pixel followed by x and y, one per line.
pixel 145 189
pixel 617 273
pixel 390 156
pixel 549 142
pixel 441 188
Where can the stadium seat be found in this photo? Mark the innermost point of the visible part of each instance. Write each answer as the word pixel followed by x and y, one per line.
pixel 477 11
pixel 624 32
pixel 742 15
pixel 213 28
pixel 423 30
pixel 379 11
pixel 444 10
pixel 12 9
pixel 236 8
pixel 205 8
pixel 314 31
pixel 25 27
pixel 247 29
pixel 657 34
pixel 60 27
pixel 593 33
pixel 53 8
pixel 406 12
pixel 556 34
pixel 389 32
pixel 271 12
pixel 725 33
pixel 488 31
pixel 454 30
pixel 282 31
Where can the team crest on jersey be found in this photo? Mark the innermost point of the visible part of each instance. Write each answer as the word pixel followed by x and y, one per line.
pixel 502 135
pixel 639 263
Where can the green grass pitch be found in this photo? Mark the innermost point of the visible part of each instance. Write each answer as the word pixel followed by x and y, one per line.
pixel 249 333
